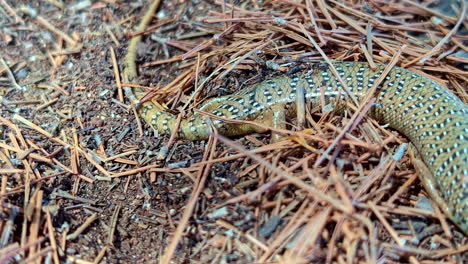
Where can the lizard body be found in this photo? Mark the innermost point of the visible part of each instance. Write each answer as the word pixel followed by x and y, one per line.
pixel 431 116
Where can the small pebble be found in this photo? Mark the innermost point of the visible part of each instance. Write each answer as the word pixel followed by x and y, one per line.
pixel 267 229
pixel 218 213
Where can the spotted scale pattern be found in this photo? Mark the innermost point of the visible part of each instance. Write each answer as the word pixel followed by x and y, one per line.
pixel 431 116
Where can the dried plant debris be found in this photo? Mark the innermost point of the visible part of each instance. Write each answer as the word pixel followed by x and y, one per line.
pixel 83 180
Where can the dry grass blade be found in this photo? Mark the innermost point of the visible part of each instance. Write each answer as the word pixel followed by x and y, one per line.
pixel 312 191
pixel 198 187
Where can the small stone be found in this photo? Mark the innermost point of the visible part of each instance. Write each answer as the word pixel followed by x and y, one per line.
pixel 267 229
pixel 218 213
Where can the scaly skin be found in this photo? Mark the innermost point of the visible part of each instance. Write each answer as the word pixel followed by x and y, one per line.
pixel 431 116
